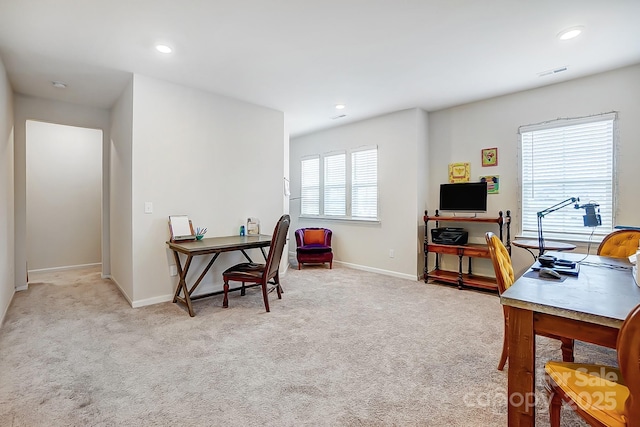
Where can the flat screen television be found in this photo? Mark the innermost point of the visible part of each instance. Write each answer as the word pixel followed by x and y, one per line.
pixel 464 197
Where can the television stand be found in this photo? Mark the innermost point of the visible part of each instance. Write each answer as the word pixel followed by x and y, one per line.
pixel 471 250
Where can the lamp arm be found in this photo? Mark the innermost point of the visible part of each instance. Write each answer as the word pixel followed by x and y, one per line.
pixel 547 211
pixel 557 206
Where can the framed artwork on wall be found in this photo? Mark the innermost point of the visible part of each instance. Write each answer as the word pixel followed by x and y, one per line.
pixel 459 172
pixel 489 157
pixel 493 183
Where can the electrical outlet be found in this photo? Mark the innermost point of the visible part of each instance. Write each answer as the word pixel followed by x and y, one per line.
pixel 173 270
pixel 148 207
pixel 392 253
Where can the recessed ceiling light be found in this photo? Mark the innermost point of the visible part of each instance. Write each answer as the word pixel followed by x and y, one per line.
pixel 59 85
pixel 163 48
pixel 340 106
pixel 570 33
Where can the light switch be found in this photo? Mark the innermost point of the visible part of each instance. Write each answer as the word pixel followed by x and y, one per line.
pixel 148 207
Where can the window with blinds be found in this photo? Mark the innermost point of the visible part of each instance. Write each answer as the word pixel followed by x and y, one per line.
pixel 343 190
pixel 310 186
pixel 564 159
pixel 364 183
pixel 335 185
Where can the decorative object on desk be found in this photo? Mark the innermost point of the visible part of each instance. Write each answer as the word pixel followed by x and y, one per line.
pixel 493 183
pixel 253 226
pixel 200 232
pixel 489 157
pixel 313 245
pixel 583 386
pixel 459 172
pixel 503 269
pixel 180 228
pixel 242 230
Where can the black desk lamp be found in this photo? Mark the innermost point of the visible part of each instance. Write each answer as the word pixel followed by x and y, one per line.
pixel 591 219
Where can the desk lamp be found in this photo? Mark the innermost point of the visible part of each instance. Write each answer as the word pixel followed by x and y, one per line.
pixel 591 219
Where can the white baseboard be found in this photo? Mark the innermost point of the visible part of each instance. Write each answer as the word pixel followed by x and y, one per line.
pixel 66 267
pixel 377 270
pixel 23 287
pixel 152 301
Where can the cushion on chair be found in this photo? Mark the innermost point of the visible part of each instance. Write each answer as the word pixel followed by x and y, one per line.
pixel 596 389
pixel 504 261
pixel 314 249
pixel 314 237
pixel 620 244
pixel 247 270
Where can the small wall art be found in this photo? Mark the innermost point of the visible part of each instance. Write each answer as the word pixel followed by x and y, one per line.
pixel 489 157
pixel 459 172
pixel 493 183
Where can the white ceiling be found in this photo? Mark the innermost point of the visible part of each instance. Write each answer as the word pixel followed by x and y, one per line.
pixel 304 56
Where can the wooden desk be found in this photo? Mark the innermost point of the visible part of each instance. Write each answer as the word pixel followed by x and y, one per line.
pixel 590 307
pixel 209 246
pixel 548 246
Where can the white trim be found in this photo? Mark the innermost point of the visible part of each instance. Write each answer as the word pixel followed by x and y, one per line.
pixel 6 310
pixel 568 121
pixel 152 301
pixel 124 294
pixel 377 270
pixel 63 268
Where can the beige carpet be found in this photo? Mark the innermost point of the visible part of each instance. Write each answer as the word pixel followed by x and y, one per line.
pixel 342 348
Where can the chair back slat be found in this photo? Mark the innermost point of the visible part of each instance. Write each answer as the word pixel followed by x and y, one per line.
pixel 278 240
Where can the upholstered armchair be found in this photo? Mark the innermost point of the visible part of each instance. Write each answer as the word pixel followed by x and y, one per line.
pixel 314 246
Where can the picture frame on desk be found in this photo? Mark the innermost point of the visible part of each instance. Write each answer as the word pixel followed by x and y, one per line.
pixel 180 228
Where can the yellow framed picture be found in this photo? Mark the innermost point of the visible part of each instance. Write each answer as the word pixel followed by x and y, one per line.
pixel 489 157
pixel 459 172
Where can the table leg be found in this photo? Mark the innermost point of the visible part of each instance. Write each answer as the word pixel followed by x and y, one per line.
pixel 182 284
pixel 522 356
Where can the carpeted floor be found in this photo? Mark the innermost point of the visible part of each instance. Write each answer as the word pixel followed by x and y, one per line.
pixel 342 348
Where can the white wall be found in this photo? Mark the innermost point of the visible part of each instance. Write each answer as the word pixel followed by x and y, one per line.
pixel 29 108
pixel 401 141
pixel 64 189
pixel 121 234
pixel 7 259
pixel 458 134
pixel 216 159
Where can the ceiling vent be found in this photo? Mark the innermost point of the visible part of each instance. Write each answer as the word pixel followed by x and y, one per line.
pixel 552 72
pixel 338 116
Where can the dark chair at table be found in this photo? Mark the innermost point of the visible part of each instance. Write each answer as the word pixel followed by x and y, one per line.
pixel 601 395
pixel 619 244
pixel 314 246
pixel 505 277
pixel 261 274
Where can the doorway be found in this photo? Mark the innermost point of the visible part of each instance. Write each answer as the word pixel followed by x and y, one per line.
pixel 63 196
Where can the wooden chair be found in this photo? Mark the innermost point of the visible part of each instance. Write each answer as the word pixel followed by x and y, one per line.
pixel 601 395
pixel 619 244
pixel 261 274
pixel 313 246
pixel 505 278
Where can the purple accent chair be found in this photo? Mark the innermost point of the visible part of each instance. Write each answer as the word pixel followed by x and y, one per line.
pixel 314 246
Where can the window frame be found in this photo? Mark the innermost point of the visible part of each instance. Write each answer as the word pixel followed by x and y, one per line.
pixel 348 186
pixel 556 232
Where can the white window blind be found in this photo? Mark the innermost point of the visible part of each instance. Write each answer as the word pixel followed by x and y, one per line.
pixel 364 183
pixel 310 186
pixel 564 159
pixel 335 181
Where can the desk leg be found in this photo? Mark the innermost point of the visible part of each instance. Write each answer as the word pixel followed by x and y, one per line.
pixel 182 284
pixel 522 356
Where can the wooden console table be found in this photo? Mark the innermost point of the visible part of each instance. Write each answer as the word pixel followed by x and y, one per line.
pixel 470 250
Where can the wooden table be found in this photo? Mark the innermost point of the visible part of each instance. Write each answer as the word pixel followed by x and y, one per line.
pixel 210 246
pixel 548 246
pixel 590 307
